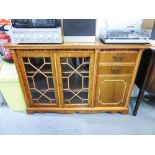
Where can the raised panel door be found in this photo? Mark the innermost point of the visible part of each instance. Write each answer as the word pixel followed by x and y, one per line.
pixel 112 91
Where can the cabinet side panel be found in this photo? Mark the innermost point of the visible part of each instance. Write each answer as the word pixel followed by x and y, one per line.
pixel 134 77
pixel 19 71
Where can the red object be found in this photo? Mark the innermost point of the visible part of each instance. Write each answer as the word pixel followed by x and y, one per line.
pixel 5 21
pixel 4 38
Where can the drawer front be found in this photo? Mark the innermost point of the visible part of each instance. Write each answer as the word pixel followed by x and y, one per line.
pixel 105 57
pixel 115 69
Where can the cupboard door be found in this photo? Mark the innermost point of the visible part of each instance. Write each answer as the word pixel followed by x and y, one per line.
pixel 112 91
pixel 75 72
pixel 38 74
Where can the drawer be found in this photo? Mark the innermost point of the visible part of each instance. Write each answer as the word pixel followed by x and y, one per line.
pixel 115 69
pixel 105 57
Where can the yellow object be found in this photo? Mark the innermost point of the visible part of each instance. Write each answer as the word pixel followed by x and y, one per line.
pixel 11 88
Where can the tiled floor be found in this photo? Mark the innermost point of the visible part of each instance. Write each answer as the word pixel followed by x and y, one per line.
pixel 101 123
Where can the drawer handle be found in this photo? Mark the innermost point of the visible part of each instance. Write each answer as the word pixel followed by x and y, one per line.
pixel 118 58
pixel 115 70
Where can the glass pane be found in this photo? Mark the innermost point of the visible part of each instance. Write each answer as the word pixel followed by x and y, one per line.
pixel 25 59
pixel 63 60
pixel 75 78
pixel 85 101
pixel 29 68
pixel 84 69
pixel 30 74
pixel 83 94
pixel 46 68
pixel 35 94
pixel 37 62
pixel 86 59
pixel 66 74
pixel 50 82
pixel 50 94
pixel 30 80
pixel 40 82
pixel 75 62
pixel 47 60
pixel 68 95
pixel 76 100
pixel 65 83
pixel 44 99
pixel 66 68
pixel 40 79
pixel 75 82
pixel 86 82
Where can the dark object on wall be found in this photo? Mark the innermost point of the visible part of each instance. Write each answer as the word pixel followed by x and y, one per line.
pixel 79 27
pixel 145 77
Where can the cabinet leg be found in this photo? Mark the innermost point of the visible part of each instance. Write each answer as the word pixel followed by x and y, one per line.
pixel 113 112
pixel 125 112
pixel 140 95
pixel 29 111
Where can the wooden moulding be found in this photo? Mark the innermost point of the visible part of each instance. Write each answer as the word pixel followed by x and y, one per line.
pixel 78 46
pixel 122 110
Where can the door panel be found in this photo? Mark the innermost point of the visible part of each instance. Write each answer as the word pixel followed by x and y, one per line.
pixel 75 74
pixel 112 91
pixel 39 77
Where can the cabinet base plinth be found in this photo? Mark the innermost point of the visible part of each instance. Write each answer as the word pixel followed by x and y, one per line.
pixel 30 111
pixel 112 110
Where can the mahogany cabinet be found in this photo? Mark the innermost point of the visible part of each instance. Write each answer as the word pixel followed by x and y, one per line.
pixel 145 77
pixel 84 78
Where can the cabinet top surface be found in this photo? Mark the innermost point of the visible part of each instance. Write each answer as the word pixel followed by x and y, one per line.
pixel 77 46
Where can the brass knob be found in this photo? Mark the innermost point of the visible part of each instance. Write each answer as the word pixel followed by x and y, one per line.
pixel 115 70
pixel 118 58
